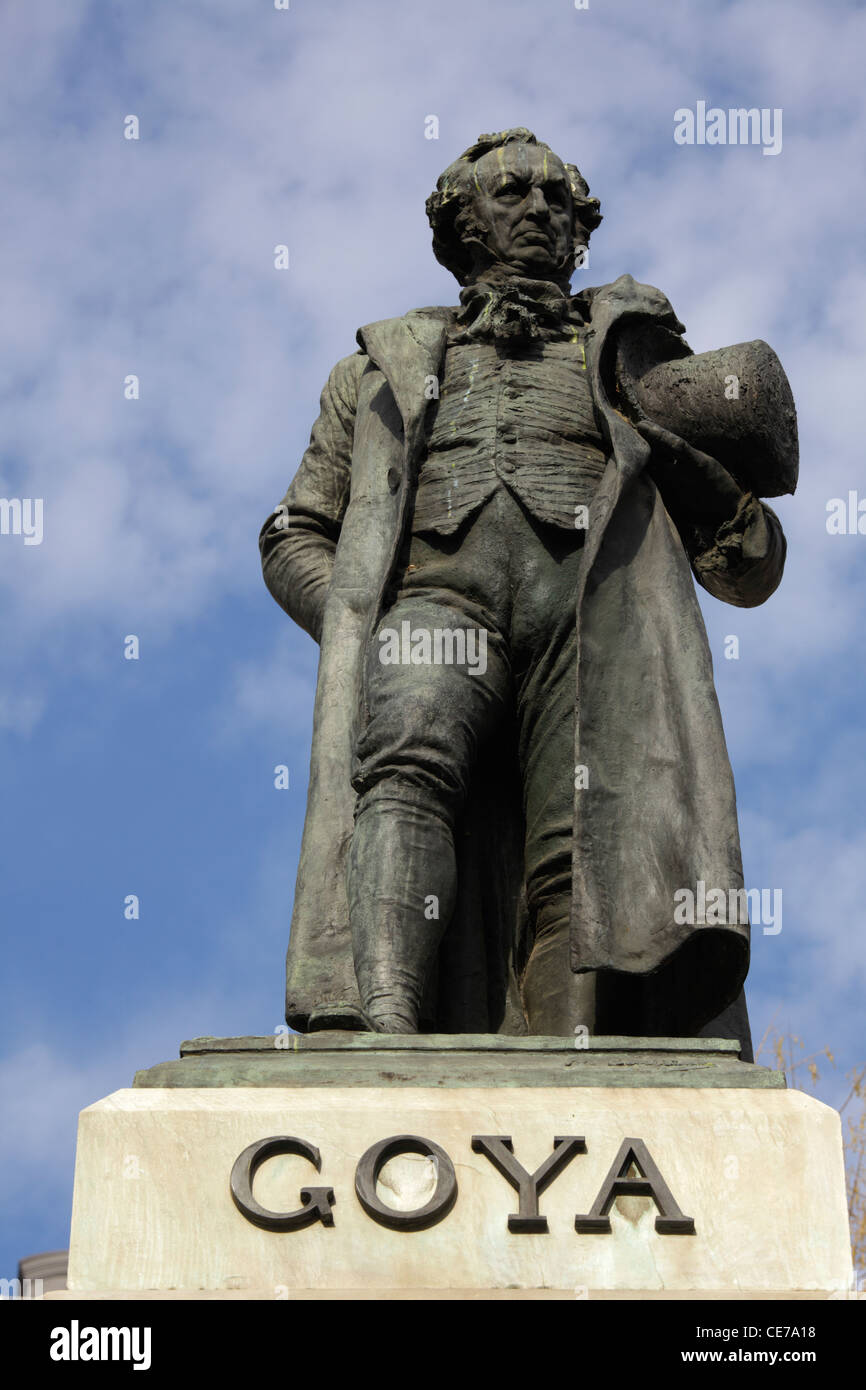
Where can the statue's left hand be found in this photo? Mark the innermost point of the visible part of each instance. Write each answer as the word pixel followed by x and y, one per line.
pixel 692 483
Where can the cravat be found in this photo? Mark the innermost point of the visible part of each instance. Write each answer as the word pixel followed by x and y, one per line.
pixel 513 311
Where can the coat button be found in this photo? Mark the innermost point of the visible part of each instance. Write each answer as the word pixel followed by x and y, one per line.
pixel 393 479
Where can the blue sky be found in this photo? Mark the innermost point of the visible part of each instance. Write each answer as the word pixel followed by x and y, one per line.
pixel 155 257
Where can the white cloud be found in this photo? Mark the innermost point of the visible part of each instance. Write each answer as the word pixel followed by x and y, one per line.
pixel 275 693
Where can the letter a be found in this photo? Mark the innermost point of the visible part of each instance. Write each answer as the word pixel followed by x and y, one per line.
pixel 684 130
pixel 670 1220
pixel 389 651
pixel 837 517
pixel 59 1350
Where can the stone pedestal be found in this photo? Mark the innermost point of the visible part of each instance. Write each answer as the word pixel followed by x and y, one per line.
pixel 679 1172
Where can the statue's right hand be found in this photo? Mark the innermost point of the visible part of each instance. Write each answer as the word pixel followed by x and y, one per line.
pixel 691 482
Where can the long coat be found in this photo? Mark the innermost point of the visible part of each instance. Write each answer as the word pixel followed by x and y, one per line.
pixel 655 812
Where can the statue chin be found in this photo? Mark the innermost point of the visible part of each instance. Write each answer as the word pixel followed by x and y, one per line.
pixel 526 268
pixel 542 271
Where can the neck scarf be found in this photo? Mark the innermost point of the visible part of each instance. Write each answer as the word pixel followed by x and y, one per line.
pixel 512 311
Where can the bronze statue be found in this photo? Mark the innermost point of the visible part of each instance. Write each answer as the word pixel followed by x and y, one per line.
pixel 518 759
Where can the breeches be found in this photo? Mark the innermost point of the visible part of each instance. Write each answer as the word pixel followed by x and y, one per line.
pixel 509 584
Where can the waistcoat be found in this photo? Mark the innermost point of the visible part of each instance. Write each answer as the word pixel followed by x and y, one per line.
pixel 525 421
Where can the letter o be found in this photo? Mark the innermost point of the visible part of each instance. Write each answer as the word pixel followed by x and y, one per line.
pixel 317 1201
pixel 371 1165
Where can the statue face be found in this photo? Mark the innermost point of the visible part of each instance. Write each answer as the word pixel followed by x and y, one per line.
pixel 523 198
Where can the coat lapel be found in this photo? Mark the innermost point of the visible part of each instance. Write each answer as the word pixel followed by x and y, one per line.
pixel 407 351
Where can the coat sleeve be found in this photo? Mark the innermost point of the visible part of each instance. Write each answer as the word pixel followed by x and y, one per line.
pixel 744 561
pixel 299 538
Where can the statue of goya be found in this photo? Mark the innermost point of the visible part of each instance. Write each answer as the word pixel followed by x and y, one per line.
pixel 518 771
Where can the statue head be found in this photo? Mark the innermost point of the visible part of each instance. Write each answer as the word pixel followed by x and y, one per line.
pixel 509 204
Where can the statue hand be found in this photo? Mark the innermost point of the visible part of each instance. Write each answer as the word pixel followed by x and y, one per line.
pixel 691 482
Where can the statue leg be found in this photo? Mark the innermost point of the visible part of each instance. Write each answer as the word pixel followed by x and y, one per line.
pixel 413 763
pixel 557 1001
pixel 402 883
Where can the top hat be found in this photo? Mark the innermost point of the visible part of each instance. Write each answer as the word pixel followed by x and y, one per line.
pixel 734 403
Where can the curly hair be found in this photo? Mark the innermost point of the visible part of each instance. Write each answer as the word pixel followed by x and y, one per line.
pixel 448 207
